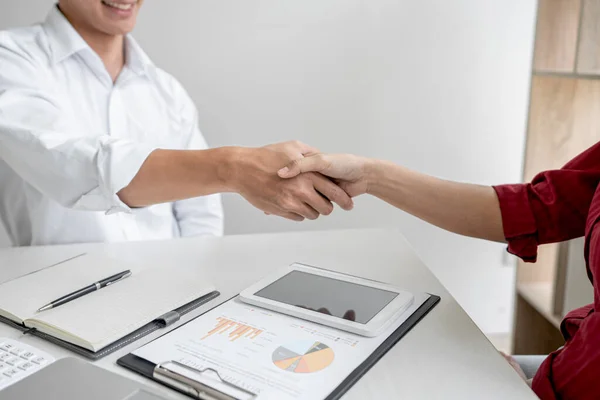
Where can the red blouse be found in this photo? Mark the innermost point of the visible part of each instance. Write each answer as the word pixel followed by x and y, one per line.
pixel 560 205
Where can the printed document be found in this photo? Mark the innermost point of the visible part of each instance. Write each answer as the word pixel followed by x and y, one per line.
pixel 275 356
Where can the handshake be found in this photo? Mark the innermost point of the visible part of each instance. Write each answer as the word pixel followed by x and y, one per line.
pixel 295 181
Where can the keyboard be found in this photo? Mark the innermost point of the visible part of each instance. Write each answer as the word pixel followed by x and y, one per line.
pixel 19 360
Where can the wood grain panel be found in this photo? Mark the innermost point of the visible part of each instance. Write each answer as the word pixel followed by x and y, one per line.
pixel 588 53
pixel 578 288
pixel 533 333
pixel 556 35
pixel 551 117
pixel 544 270
pixel 564 120
pixel 560 280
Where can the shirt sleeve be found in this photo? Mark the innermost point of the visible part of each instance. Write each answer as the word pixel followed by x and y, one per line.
pixel 200 215
pixel 552 208
pixel 75 169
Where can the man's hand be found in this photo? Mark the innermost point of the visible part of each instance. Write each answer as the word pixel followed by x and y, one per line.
pixel 254 176
pixel 349 171
pixel 171 175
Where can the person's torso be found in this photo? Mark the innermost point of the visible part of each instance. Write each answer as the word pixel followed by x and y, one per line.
pixel 571 372
pixel 138 107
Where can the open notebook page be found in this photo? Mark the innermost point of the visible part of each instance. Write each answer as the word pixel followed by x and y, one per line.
pixel 21 298
pixel 100 318
pixel 20 261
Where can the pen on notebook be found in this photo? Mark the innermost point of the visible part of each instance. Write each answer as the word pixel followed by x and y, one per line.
pixel 88 289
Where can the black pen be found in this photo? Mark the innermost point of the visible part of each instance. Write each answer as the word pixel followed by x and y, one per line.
pixel 88 289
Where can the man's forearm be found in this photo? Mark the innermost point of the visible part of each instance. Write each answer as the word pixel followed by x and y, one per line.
pixel 170 175
pixel 466 209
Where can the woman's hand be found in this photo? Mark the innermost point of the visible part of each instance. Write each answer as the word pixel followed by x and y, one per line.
pixel 305 196
pixel 348 171
pixel 515 365
pixel 463 208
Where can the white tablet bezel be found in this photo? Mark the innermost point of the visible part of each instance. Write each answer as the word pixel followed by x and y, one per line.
pixel 375 326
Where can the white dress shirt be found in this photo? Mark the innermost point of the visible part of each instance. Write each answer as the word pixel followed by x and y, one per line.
pixel 70 139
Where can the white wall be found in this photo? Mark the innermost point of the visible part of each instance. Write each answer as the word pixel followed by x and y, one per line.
pixel 17 14
pixel 438 86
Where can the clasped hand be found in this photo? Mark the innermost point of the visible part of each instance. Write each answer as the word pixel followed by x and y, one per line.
pixel 295 181
pixel 306 195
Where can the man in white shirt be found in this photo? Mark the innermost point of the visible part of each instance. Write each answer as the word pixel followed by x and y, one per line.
pixel 98 144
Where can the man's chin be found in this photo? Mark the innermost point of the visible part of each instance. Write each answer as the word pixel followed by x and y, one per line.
pixel 119 29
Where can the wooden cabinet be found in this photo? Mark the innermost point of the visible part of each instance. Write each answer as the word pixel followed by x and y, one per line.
pixel 564 120
pixel 588 50
pixel 556 35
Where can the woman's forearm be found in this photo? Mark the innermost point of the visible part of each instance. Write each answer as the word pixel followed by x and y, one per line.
pixel 466 209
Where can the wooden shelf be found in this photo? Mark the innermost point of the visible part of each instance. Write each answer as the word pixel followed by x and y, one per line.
pixel 540 296
pixel 556 35
pixel 588 50
pixel 564 117
pixel 569 75
pixel 534 333
pixel 564 120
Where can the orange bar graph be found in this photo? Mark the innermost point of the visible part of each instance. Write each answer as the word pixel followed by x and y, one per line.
pixel 253 335
pixel 236 330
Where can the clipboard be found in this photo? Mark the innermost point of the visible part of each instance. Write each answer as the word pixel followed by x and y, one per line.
pixel 204 391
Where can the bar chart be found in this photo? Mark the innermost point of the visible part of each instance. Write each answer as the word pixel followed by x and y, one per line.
pixel 235 330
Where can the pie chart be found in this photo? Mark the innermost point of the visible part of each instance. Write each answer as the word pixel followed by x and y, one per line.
pixel 303 357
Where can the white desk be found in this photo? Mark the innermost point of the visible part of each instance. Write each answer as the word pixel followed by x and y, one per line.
pixel 444 357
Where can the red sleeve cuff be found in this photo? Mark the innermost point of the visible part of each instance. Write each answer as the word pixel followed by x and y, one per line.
pixel 520 229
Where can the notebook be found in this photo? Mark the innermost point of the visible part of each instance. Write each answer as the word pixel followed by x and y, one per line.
pixel 105 316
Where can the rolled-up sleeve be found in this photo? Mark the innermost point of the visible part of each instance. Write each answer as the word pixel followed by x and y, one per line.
pixel 75 169
pixel 552 208
pixel 520 229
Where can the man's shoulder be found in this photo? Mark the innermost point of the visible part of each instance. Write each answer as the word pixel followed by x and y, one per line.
pixel 168 81
pixel 172 88
pixel 25 44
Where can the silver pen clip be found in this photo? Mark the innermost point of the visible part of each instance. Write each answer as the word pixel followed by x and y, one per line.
pixel 198 389
pixel 127 275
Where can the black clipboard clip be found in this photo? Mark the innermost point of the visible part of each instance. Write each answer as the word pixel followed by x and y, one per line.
pixel 204 387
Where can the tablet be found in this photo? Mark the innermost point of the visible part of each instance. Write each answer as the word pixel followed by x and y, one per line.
pixel 345 302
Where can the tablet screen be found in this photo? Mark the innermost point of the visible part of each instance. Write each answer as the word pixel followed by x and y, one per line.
pixel 326 295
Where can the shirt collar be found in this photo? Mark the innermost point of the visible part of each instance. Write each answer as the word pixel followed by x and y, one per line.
pixel 63 38
pixel 135 58
pixel 65 41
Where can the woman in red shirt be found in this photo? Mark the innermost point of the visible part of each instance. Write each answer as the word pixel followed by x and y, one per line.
pixel 557 205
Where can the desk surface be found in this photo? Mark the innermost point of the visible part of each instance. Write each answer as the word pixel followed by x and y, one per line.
pixel 445 356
